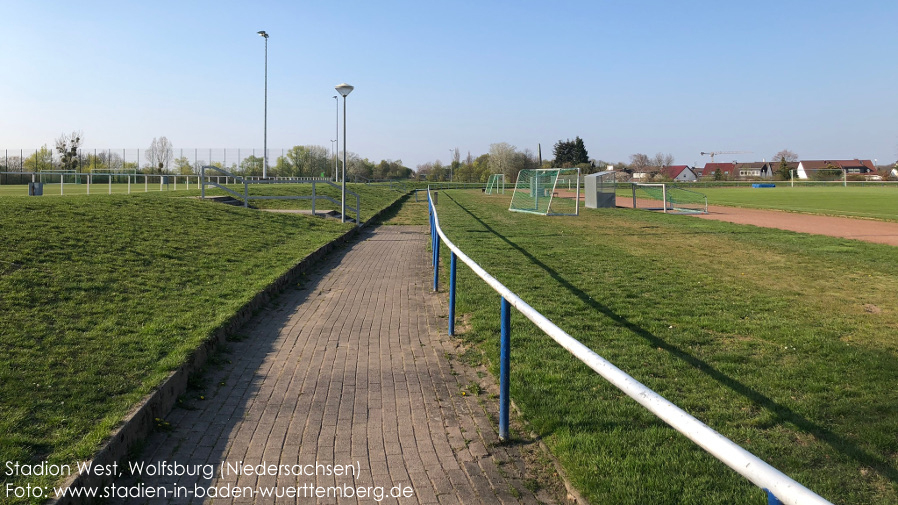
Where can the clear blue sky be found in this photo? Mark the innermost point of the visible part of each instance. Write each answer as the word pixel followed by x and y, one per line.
pixel 816 77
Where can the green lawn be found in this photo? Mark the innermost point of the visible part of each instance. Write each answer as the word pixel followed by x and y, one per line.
pixel 783 342
pixel 874 202
pixel 53 190
pixel 101 297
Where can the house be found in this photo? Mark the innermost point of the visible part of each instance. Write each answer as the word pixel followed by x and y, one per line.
pixel 754 170
pixel 727 171
pixel 679 173
pixel 776 167
pixel 812 168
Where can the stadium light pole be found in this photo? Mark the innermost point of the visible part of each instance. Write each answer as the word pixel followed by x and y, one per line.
pixel 265 141
pixel 336 133
pixel 344 89
pixel 334 150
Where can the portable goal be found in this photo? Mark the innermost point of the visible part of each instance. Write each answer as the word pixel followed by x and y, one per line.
pixel 549 192
pixel 495 184
pixel 668 198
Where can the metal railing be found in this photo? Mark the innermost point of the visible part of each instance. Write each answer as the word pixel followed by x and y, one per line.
pixel 780 488
pixel 246 197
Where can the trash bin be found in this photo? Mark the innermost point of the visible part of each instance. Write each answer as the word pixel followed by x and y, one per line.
pixel 35 189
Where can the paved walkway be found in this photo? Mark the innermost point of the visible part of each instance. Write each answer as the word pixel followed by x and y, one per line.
pixel 348 372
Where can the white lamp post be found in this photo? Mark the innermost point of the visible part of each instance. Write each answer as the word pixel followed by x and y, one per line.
pixel 344 90
pixel 265 141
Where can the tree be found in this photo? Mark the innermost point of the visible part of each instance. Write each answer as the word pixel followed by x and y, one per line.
pixel 662 160
pixel 42 159
pixel 786 155
pixel 160 154
pixel 67 147
pixel 501 160
pixel 639 162
pixel 784 172
pixel 570 153
pixel 183 166
pixel 252 166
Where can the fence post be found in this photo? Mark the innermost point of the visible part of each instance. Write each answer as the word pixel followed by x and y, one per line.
pixel 436 262
pixel 245 193
pixel 313 198
pixel 452 293
pixel 772 500
pixel 504 361
pixel 202 182
pixel 358 211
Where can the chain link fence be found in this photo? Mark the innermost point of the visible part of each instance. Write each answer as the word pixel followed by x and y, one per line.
pixel 16 165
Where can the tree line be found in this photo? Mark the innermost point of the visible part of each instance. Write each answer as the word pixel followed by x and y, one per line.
pixel 159 157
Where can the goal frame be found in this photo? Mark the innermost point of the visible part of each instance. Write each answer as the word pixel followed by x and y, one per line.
pixel 552 195
pixel 495 184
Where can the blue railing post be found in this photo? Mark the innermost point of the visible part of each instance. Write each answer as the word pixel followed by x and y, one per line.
pixel 504 361
pixel 772 500
pixel 452 294
pixel 436 262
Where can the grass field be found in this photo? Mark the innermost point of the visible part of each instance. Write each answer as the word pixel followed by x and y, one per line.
pixel 783 342
pixel 873 202
pixel 101 297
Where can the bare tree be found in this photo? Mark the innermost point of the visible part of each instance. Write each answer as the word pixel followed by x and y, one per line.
pixel 662 160
pixel 785 154
pixel 160 154
pixel 67 147
pixel 639 162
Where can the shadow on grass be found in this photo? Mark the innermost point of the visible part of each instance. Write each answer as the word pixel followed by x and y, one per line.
pixel 784 415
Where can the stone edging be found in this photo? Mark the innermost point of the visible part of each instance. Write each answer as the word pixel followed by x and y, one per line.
pixel 140 421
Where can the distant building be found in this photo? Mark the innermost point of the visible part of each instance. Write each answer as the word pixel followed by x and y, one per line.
pixel 727 171
pixel 806 168
pixel 679 173
pixel 754 170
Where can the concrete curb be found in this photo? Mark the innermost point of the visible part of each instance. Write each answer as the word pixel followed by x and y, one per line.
pixel 140 421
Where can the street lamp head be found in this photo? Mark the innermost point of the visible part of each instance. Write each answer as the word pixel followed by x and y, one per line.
pixel 344 89
pixel 262 33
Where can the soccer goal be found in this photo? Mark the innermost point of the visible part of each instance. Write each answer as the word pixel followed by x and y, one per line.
pixel 495 184
pixel 549 191
pixel 668 198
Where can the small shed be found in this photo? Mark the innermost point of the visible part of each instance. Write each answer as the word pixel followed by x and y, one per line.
pixel 600 190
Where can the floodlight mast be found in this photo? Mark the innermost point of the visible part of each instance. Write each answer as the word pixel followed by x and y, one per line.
pixel 263 34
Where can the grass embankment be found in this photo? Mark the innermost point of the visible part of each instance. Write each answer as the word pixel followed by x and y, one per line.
pixel 872 202
pixel 783 342
pixel 101 297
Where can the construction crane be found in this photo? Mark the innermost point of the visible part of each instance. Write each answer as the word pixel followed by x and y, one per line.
pixel 712 153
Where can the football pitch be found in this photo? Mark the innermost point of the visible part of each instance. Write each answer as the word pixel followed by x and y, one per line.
pixel 783 342
pixel 870 202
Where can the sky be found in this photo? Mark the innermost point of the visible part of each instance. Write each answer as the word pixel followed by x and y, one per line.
pixel 819 78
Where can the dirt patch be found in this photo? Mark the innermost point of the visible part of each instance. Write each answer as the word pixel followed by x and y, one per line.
pixel 879 232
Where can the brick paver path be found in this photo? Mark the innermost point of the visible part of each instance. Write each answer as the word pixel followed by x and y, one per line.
pixel 348 369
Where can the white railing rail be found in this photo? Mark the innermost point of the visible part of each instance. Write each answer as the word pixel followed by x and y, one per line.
pixel 780 487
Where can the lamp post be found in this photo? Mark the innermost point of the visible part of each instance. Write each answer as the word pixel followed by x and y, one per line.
pixel 265 141
pixel 336 133
pixel 344 90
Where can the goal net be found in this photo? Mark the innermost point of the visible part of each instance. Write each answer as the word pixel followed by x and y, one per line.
pixel 550 192
pixel 668 198
pixel 495 184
